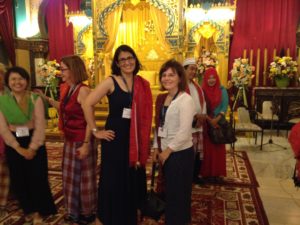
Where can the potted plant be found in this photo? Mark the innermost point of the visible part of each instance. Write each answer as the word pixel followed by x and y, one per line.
pixel 282 70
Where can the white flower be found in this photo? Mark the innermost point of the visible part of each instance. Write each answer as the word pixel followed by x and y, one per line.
pixel 241 73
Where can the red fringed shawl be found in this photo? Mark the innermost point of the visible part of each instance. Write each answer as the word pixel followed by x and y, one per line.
pixel 141 120
pixel 200 93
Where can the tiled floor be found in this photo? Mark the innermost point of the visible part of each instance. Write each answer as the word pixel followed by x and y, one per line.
pixel 274 167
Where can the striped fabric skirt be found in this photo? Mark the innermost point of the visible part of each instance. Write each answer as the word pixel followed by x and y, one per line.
pixel 198 143
pixel 79 181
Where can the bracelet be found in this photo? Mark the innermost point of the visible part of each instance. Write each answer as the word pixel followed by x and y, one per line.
pixel 94 130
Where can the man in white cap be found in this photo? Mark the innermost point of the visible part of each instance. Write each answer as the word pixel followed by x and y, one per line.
pixel 197 94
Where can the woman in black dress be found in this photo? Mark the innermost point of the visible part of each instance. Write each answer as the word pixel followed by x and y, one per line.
pixel 125 140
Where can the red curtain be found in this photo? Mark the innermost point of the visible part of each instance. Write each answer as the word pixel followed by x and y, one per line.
pixel 60 35
pixel 7 28
pixel 270 24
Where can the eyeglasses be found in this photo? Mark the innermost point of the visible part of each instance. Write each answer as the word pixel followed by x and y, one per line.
pixel 129 59
pixel 63 69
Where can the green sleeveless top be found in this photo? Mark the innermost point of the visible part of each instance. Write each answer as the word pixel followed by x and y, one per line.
pixel 12 112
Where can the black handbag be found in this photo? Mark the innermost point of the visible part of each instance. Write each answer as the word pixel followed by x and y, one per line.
pixel 222 134
pixel 154 206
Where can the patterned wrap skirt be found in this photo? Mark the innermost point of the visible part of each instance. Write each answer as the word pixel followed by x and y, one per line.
pixel 79 180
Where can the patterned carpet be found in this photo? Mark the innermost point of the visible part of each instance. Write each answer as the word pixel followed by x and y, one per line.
pixel 233 202
pixel 239 170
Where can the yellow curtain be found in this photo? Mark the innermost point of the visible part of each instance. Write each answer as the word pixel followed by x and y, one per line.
pixel 129 26
pixel 131 29
pixel 160 21
pixel 112 27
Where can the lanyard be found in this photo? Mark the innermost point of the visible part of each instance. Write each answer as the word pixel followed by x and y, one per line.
pixel 164 110
pixel 71 91
pixel 130 92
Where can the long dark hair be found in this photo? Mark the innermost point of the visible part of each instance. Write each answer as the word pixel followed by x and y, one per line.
pixel 114 66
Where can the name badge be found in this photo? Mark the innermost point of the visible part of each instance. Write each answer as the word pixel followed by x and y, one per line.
pixel 22 132
pixel 162 132
pixel 126 113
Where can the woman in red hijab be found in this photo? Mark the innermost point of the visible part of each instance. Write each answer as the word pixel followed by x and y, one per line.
pixel 214 159
pixel 295 143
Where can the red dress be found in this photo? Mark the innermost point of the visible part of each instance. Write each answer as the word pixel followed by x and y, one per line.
pixel 214 155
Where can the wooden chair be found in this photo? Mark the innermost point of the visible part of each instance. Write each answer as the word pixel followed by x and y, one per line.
pixel 245 124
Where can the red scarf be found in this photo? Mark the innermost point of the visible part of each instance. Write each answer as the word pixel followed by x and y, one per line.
pixel 141 120
pixel 200 93
pixel 213 94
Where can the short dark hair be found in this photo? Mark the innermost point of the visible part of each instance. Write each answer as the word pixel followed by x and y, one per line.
pixel 16 69
pixel 76 65
pixel 176 67
pixel 115 69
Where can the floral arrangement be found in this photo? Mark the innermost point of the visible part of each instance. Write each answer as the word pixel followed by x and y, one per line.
pixel 241 73
pixel 283 67
pixel 207 59
pixel 241 76
pixel 49 73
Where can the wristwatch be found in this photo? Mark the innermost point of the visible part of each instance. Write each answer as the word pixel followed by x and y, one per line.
pixel 94 130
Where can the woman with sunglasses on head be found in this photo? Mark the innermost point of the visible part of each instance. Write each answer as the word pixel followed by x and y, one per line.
pixel 173 144
pixel 22 127
pixel 124 141
pixel 79 155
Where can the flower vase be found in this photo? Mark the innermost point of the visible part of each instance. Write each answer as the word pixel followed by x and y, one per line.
pixel 282 82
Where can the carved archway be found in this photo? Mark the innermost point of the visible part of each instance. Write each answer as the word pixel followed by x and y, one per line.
pixel 167 10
